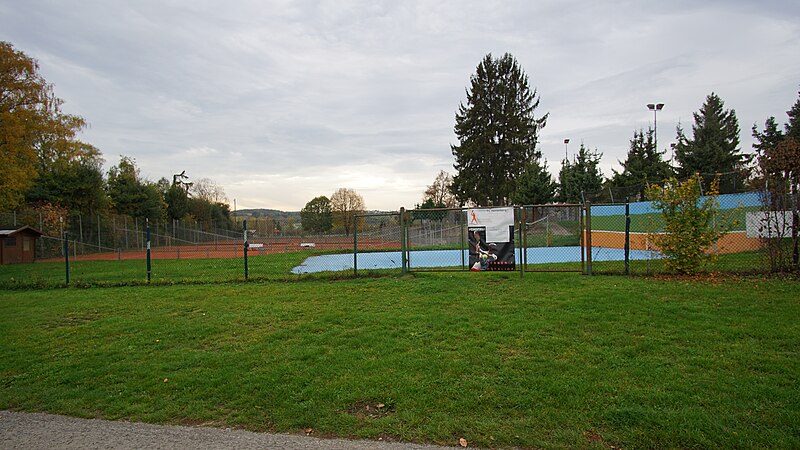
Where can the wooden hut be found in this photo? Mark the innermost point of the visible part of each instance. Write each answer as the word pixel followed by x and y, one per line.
pixel 18 246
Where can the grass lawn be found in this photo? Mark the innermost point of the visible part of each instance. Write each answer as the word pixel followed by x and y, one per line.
pixel 549 360
pixel 52 274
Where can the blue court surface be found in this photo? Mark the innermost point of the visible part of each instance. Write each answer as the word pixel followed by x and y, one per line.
pixel 453 258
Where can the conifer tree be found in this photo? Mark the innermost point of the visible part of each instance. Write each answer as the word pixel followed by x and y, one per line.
pixel 497 133
pixel 580 177
pixel 535 186
pixel 714 146
pixel 644 164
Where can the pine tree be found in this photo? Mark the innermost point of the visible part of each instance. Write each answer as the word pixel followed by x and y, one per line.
pixel 792 128
pixel 497 133
pixel 580 177
pixel 643 165
pixel 771 136
pixel 714 147
pixel 535 186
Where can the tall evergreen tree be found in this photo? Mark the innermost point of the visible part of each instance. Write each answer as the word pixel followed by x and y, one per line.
pixel 792 128
pixel 714 146
pixel 769 138
pixel 644 164
pixel 582 176
pixel 535 186
pixel 497 132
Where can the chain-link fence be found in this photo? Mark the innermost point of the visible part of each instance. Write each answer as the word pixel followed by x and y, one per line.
pixel 635 229
pixel 622 239
pixel 173 258
pixel 553 238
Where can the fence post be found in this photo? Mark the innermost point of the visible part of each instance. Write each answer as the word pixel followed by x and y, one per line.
pixel 461 219
pixel 355 244
pixel 520 225
pixel 627 236
pixel 246 245
pixel 66 255
pixel 403 240
pixel 148 250
pixel 582 215
pixel 589 238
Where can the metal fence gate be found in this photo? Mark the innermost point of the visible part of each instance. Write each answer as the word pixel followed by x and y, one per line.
pixel 553 238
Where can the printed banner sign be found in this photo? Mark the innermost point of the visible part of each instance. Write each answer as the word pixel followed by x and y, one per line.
pixel 491 239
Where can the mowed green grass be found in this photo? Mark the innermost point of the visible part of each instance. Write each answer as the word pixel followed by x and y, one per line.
pixel 51 274
pixel 544 361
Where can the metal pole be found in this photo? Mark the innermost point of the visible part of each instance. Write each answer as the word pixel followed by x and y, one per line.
pixel 655 129
pixel 355 244
pixel 520 225
pixel 148 250
pixel 461 220
pixel 403 239
pixel 246 245
pixel 66 255
pixel 589 238
pixel 627 236
pixel 583 238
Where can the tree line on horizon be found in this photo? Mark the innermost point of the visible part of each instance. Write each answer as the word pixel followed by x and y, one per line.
pixel 497 159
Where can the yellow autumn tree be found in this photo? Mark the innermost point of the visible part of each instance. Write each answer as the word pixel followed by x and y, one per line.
pixel 34 133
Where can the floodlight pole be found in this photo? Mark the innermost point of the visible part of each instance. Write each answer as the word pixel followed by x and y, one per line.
pixel 655 107
pixel 566 149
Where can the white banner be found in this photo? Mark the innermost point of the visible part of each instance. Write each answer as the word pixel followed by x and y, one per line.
pixel 778 224
pixel 496 220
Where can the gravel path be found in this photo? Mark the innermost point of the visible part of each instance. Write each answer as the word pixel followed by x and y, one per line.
pixel 47 431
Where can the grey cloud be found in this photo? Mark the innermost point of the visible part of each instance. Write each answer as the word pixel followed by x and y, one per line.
pixel 284 100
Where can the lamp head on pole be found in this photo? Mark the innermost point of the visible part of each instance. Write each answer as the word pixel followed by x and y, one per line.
pixel 655 106
pixel 566 141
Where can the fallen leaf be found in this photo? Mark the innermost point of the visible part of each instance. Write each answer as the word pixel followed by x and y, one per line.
pixel 308 431
pixel 462 442
pixel 166 379
pixel 380 405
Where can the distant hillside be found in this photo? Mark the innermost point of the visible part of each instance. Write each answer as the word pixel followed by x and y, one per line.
pixel 292 216
pixel 274 214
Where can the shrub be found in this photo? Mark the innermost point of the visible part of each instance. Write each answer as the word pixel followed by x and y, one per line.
pixel 690 223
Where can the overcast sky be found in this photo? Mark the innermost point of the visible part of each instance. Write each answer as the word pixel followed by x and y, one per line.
pixel 283 101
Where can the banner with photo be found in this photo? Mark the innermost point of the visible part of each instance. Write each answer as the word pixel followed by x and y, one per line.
pixel 491 239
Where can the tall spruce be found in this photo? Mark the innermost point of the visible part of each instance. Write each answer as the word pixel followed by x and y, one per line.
pixel 535 186
pixel 497 133
pixel 713 148
pixel 580 177
pixel 792 128
pixel 644 164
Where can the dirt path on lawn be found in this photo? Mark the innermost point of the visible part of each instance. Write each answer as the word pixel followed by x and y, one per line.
pixel 48 431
